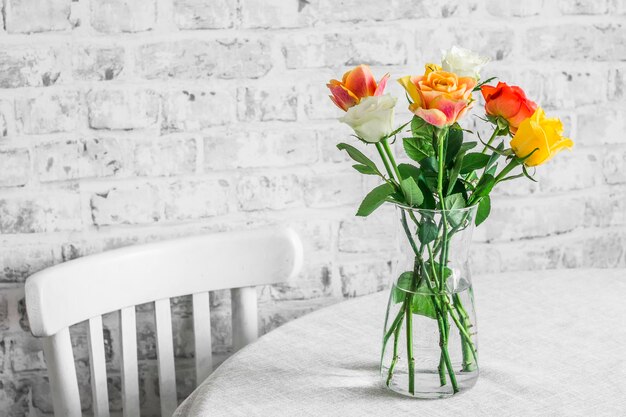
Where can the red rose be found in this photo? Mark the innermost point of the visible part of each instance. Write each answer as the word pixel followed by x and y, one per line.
pixel 509 103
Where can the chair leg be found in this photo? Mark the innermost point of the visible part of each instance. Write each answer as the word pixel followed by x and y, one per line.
pixel 62 374
pixel 244 316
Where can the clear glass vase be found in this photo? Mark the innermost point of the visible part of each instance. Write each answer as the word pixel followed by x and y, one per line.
pixel 430 343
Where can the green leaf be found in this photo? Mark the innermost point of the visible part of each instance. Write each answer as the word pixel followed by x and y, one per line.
pixel 454 201
pixel 447 272
pixel 498 150
pixel 526 174
pixel 418 148
pixel 427 232
pixel 429 164
pixel 467 184
pixel 408 170
pixel 396 197
pixel 466 146
pixel 453 145
pixel 484 208
pixel 364 169
pixel 403 285
pixel 459 188
pixel 485 185
pixel 427 182
pixel 474 161
pixel 422 304
pixel 412 193
pixel 420 128
pixel 477 88
pixel 374 199
pixel 358 156
pixel 455 171
pixel 511 177
pixel 421 300
pixel 494 156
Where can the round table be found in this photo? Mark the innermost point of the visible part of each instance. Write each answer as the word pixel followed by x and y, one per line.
pixel 552 343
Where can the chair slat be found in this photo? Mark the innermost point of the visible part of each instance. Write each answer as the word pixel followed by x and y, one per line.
pixel 202 336
pixel 165 357
pixel 76 291
pixel 244 316
pixel 97 363
pixel 62 374
pixel 130 378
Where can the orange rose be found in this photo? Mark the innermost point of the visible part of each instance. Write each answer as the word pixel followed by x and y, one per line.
pixel 509 103
pixel 439 97
pixel 355 86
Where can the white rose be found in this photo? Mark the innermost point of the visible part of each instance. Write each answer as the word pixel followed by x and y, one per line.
pixel 372 118
pixel 463 62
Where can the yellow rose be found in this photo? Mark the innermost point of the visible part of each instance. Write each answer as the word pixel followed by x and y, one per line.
pixel 540 133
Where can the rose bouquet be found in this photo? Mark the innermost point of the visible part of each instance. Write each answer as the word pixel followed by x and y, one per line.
pixel 430 339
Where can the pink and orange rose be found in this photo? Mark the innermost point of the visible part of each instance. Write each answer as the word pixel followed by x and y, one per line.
pixel 355 85
pixel 439 97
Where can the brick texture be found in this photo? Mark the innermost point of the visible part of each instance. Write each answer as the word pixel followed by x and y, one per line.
pixel 123 122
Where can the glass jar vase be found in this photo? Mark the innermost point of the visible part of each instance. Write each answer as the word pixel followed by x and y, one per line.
pixel 430 343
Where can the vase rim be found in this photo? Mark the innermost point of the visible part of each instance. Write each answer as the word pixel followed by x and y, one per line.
pixel 456 210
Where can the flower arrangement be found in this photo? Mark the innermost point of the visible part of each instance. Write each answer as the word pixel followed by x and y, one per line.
pixel 440 197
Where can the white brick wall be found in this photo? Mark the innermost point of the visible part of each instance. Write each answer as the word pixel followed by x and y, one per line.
pixel 124 122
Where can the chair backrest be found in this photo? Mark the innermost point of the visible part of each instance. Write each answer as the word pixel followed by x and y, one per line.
pixel 86 288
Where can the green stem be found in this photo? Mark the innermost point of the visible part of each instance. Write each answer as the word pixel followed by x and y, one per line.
pixel 442 362
pixel 409 322
pixel 442 203
pixel 393 326
pixel 441 368
pixel 443 260
pixel 446 355
pixel 395 329
pixel 464 335
pixel 468 348
pixel 409 346
pixel 441 308
pixel 397 323
pixel 510 166
pixel 491 139
pixel 381 151
pixel 473 176
pixel 391 159
pixel 405 226
pixel 394 360
pixel 463 324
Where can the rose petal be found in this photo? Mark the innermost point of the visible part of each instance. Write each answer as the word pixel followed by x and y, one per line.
pixel 434 117
pixel 412 90
pixel 429 96
pixel 469 82
pixel 380 89
pixel 449 107
pixel 531 136
pixel 343 98
pixel 360 81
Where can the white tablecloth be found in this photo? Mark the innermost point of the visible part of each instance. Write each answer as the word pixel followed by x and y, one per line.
pixel 551 343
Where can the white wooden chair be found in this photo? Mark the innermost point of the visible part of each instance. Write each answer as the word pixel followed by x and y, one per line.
pixel 88 287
